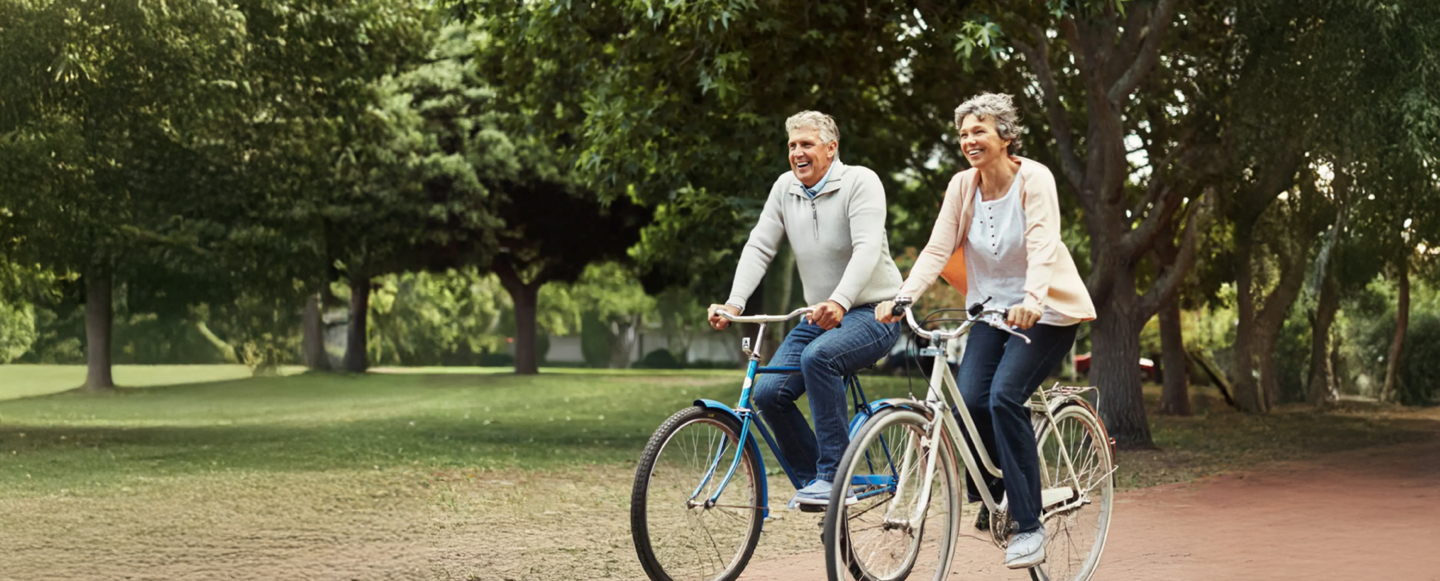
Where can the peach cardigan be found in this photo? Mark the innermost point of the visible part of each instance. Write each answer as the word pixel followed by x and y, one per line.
pixel 1051 279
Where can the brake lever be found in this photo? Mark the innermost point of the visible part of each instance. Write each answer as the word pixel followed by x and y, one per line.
pixel 997 320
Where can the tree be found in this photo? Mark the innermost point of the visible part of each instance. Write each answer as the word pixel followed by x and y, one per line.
pixel 715 81
pixel 1090 73
pixel 109 111
pixel 1327 62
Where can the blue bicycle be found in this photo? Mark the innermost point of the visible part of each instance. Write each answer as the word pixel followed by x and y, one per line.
pixel 700 495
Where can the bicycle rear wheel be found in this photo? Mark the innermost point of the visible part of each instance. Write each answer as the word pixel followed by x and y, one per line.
pixel 678 535
pixel 875 538
pixel 1076 527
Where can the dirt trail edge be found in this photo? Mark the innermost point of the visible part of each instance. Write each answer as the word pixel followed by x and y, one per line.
pixel 1370 514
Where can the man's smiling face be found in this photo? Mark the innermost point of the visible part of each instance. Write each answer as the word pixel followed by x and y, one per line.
pixel 809 157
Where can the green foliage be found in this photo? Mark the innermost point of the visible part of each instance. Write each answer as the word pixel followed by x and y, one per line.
pixel 595 340
pixel 1370 324
pixel 681 105
pixel 448 318
pixel 17 330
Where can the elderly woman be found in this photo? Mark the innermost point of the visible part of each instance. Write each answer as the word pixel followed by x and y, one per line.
pixel 833 215
pixel 1004 215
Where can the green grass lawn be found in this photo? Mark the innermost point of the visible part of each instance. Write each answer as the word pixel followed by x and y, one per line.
pixel 31 380
pixel 467 419
pixel 316 422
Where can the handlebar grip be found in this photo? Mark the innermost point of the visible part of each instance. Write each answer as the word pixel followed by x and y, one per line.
pixel 898 310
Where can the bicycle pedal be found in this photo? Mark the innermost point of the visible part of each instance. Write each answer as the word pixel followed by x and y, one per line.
pixel 812 508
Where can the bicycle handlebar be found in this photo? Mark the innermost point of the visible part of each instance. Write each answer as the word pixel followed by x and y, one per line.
pixel 765 318
pixel 978 313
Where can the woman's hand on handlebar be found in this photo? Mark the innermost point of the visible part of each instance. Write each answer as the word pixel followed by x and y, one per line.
pixel 885 313
pixel 1022 316
pixel 719 322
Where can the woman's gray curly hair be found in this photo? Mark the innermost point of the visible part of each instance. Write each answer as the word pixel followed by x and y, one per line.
pixel 997 106
pixel 820 122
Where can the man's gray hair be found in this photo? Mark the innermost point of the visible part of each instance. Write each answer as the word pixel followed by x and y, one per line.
pixel 997 106
pixel 820 122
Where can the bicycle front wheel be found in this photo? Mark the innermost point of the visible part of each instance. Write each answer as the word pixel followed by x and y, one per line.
pixel 1076 525
pixel 882 535
pixel 680 533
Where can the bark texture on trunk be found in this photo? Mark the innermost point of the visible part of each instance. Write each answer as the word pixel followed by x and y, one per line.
pixel 1175 397
pixel 525 296
pixel 1247 392
pixel 99 313
pixel 356 358
pixel 1115 370
pixel 1322 390
pixel 1256 381
pixel 1402 320
pixel 313 342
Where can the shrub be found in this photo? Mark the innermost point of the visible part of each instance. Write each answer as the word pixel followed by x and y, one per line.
pixel 659 359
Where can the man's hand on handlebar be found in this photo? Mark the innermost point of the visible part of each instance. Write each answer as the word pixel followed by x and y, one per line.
pixel 719 322
pixel 827 315
pixel 886 313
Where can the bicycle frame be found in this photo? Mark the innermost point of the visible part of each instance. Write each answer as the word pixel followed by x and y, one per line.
pixel 942 382
pixel 747 418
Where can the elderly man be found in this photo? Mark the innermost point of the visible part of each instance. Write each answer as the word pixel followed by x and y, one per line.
pixel 834 217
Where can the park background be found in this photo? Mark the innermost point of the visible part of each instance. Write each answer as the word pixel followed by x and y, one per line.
pixel 442 266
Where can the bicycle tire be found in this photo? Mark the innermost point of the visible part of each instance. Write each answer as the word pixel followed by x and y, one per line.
pixel 664 553
pixel 1075 537
pixel 852 551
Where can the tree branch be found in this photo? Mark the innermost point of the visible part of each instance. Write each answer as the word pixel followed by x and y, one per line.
pixel 1148 54
pixel 1169 283
pixel 1038 57
pixel 1163 201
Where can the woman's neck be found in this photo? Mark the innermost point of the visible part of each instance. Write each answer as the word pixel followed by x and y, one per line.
pixel 995 178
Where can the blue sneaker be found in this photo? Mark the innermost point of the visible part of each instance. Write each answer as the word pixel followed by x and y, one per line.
pixel 816 496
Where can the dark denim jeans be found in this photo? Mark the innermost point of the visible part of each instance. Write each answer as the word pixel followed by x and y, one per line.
pixel 997 377
pixel 824 358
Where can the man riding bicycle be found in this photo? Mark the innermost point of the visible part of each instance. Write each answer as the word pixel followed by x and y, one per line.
pixel 833 215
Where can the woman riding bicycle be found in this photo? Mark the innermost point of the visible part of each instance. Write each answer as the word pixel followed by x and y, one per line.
pixel 998 237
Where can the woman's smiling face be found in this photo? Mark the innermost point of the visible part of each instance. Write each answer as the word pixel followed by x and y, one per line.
pixel 981 142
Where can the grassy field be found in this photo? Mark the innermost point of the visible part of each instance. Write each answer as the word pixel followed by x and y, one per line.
pixel 422 474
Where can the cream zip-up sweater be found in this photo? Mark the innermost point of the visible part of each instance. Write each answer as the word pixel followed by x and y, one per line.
pixel 838 238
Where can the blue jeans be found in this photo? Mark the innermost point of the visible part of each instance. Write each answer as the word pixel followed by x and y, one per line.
pixel 997 377
pixel 824 358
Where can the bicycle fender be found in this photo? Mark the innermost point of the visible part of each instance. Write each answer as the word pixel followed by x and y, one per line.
pixel 750 443
pixel 899 402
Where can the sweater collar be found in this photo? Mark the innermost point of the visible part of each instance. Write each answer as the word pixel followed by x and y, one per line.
pixel 834 177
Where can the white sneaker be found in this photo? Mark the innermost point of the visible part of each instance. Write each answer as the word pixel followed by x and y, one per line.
pixel 1026 549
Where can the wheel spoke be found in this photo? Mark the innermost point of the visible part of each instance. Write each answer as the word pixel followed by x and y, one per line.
pixel 875 539
pixel 684 538
pixel 1076 534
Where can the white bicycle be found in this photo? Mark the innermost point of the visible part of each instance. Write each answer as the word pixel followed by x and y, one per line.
pixel 904 466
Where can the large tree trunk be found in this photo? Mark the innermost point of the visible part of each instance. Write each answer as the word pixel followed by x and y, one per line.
pixel 1247 392
pixel 1175 397
pixel 1272 318
pixel 355 334
pixel 98 314
pixel 1402 320
pixel 1322 391
pixel 1115 369
pixel 525 297
pixel 313 343
pixel 1257 383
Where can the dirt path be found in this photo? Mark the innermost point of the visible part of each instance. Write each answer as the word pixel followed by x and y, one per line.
pixel 1363 515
